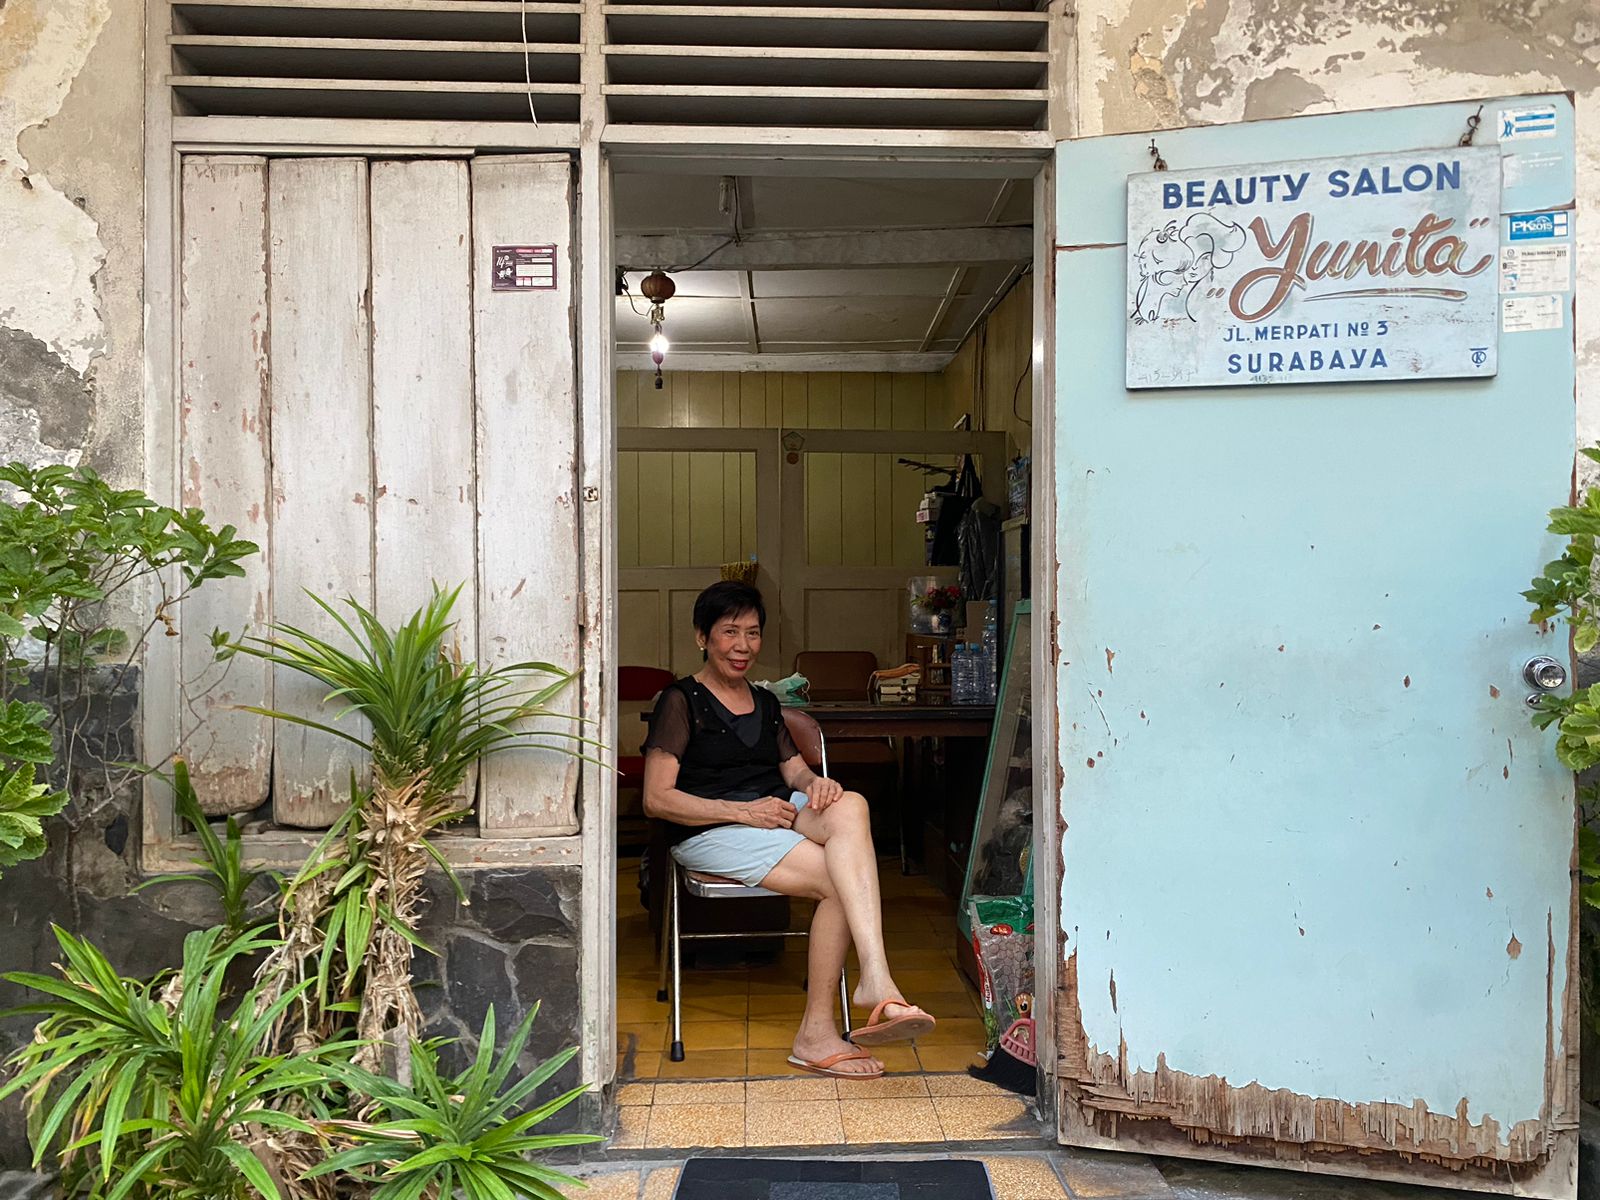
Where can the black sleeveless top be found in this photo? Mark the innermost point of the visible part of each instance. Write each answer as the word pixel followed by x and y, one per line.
pixel 714 762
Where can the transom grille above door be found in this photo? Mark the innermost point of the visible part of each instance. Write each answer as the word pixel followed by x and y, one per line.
pixel 955 67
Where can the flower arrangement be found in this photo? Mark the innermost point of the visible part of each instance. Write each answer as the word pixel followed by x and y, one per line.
pixel 937 598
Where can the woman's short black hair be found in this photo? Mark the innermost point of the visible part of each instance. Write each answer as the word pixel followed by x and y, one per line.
pixel 727 599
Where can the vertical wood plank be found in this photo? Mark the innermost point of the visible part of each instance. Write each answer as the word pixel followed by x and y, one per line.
pixel 424 499
pixel 883 400
pixel 774 385
pixel 883 470
pixel 748 544
pixel 823 400
pixel 705 399
pixel 857 408
pixel 223 447
pixel 795 404
pixel 731 411
pixel 705 507
pixel 752 400
pixel 321 452
pixel 822 510
pixel 682 554
pixel 909 393
pixel 627 392
pixel 732 549
pixel 422 411
pixel 655 404
pixel 859 501
pixel 655 509
pixel 528 548
pixel 627 508
pixel 679 387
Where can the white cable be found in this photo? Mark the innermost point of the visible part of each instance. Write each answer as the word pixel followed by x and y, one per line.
pixel 527 62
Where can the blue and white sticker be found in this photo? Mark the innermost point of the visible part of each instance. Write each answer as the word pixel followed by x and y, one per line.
pixel 1516 124
pixel 1527 226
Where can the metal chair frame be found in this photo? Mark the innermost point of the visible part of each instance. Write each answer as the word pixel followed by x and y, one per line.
pixel 716 887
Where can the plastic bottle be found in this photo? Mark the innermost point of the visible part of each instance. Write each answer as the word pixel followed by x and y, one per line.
pixel 960 674
pixel 991 656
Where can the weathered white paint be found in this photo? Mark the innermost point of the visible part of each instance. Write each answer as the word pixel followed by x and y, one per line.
pixel 1157 64
pixel 528 573
pixel 224 427
pixel 424 508
pixel 321 453
pixel 47 291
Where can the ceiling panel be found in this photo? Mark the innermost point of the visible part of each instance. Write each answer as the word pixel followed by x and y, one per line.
pixel 845 320
pixel 689 321
pixel 863 281
pixel 869 203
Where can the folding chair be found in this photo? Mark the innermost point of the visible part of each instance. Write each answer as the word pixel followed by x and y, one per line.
pixel 808 740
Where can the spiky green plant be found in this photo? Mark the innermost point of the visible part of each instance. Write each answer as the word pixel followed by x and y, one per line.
pixel 443 1134
pixel 148 1089
pixel 221 862
pixel 431 717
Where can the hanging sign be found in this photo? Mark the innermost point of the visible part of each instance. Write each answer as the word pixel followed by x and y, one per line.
pixel 1349 269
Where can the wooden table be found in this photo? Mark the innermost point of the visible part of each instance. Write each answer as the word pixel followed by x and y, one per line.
pixel 854 720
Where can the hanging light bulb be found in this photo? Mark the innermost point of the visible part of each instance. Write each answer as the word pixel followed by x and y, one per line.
pixel 657 287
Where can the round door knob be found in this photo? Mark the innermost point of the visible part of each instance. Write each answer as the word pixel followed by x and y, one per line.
pixel 1545 674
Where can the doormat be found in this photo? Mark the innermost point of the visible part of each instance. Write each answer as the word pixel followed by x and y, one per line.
pixel 828 1179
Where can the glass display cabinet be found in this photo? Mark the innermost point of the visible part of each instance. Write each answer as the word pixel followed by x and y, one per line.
pixel 1002 843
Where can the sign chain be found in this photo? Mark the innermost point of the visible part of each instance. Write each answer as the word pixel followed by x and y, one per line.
pixel 1473 122
pixel 1155 155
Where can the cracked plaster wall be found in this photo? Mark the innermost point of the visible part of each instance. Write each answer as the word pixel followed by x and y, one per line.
pixel 1160 64
pixel 72 233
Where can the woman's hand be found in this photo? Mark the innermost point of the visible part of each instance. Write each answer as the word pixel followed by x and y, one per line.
pixel 770 813
pixel 823 792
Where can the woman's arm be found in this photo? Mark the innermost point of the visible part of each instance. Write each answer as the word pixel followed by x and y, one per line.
pixel 821 790
pixel 663 799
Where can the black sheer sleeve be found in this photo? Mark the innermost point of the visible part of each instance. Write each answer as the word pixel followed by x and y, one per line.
pixel 786 747
pixel 669 724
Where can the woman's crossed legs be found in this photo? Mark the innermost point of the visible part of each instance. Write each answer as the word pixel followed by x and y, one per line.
pixel 837 867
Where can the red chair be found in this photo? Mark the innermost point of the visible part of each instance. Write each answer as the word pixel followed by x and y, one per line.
pixel 637 685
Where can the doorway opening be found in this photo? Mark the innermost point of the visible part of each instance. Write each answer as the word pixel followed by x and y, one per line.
pixel 841 341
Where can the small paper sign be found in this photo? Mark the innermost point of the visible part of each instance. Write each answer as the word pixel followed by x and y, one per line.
pixel 524 268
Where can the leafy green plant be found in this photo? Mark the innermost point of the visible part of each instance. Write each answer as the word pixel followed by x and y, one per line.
pixel 151 1089
pixel 221 863
pixel 466 1132
pixel 431 716
pixel 73 550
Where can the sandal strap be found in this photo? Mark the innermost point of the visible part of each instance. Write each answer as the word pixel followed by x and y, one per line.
pixel 883 1004
pixel 843 1056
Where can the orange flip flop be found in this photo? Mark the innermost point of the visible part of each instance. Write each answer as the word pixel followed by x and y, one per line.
pixel 903 1028
pixel 822 1065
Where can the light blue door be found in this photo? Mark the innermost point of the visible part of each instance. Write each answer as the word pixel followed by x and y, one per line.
pixel 1316 898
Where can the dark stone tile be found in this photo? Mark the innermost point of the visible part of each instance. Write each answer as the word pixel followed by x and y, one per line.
pixel 475 978
pixel 513 906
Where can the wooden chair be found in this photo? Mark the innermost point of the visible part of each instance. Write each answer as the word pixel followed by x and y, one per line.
pixel 807 735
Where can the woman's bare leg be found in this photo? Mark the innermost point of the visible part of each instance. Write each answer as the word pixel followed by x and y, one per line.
pixel 803 872
pixel 844 831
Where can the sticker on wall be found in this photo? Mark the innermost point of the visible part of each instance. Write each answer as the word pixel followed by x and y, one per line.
pixel 1538 121
pixel 524 269
pixel 1531 226
pixel 1536 268
pixel 1528 314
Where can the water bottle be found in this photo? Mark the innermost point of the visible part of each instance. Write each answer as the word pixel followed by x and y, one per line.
pixel 991 656
pixel 960 671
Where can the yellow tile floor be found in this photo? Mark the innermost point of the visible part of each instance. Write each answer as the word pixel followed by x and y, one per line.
pixel 739 1023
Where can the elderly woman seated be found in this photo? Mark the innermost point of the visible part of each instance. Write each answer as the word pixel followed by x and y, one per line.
pixel 739 801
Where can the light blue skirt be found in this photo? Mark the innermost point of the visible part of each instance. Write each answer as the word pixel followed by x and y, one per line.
pixel 738 851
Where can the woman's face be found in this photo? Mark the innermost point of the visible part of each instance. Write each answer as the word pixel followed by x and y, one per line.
pixel 733 644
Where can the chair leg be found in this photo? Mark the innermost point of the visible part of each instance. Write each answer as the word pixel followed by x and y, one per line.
pixel 844 1000
pixel 677 968
pixel 666 932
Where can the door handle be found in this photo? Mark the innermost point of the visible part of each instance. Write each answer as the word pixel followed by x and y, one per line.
pixel 1543 674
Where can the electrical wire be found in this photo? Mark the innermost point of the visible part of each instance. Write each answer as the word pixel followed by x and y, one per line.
pixel 527 62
